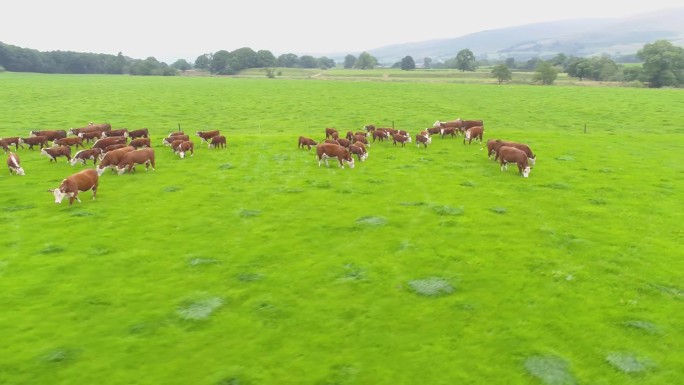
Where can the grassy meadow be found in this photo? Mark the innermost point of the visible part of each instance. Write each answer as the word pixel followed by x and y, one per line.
pixel 253 265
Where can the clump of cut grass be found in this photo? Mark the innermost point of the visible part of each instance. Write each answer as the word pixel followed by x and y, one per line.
pixel 498 210
pixel 245 213
pixel 371 221
pixel 557 186
pixel 448 210
pixel 250 277
pixel 82 214
pixel 431 286
pixel 18 208
pixel 413 203
pixel 628 362
pixel 598 201
pixel 225 166
pixel 351 272
pixel 199 309
pixel 171 188
pixel 648 327
pixel 565 158
pixel 61 355
pixel 550 370
pixel 468 183
pixel 202 261
pixel 51 248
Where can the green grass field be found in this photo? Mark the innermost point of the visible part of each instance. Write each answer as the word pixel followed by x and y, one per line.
pixel 253 265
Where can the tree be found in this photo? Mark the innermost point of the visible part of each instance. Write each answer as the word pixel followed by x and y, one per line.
pixel 603 68
pixel 326 63
pixel 181 65
pixel 559 60
pixel 220 63
pixel 203 61
pixel 288 60
pixel 407 63
pixel 465 60
pixel 349 61
pixel 578 67
pixel 427 62
pixel 308 61
pixel 663 64
pixel 243 58
pixel 365 61
pixel 265 59
pixel 502 73
pixel 545 73
pixel 631 74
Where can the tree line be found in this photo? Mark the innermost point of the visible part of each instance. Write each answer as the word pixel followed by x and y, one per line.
pixel 662 64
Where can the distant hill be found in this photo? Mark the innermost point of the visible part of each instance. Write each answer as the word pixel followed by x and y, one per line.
pixel 579 37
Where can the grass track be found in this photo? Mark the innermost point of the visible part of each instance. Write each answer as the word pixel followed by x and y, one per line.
pixel 254 265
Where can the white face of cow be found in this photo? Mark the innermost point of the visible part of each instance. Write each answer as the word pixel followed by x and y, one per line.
pixel 121 170
pixel 467 134
pixel 100 170
pixel 59 195
pixel 532 160
pixel 351 163
pixel 526 172
pixel 181 154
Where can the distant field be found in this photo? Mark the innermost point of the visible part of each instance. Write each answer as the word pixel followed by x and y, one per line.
pixel 253 265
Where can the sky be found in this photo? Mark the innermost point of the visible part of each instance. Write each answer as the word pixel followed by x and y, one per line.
pixel 185 30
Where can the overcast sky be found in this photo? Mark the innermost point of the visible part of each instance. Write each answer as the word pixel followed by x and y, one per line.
pixel 172 30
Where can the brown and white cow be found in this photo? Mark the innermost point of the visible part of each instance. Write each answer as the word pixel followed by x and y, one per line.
pixel 81 181
pixel 106 142
pixel 13 140
pixel 51 135
pixel 361 138
pixel 380 135
pixel 90 136
pixel 401 139
pixel 71 141
pixel 475 132
pixel 513 155
pixel 112 159
pixel 304 141
pixel 456 124
pixel 139 133
pixel 113 147
pixel 111 133
pixel 369 128
pixel 330 132
pixel 448 131
pixel 4 146
pixel 88 154
pixel 467 124
pixel 344 142
pixel 207 135
pixel 184 147
pixel 140 142
pixel 90 128
pixel 434 130
pixel 168 140
pixel 174 133
pixel 33 141
pixel 329 150
pixel 14 164
pixel 55 152
pixel 359 150
pixel 130 159
pixel 219 141
pixel 422 139
pixel 494 145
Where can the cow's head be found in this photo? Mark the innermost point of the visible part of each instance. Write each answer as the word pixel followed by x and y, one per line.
pixel 181 153
pixel 526 172
pixel 59 194
pixel 100 170
pixel 120 170
pixel 532 160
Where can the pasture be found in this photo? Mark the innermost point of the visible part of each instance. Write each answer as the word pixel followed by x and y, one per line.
pixel 253 265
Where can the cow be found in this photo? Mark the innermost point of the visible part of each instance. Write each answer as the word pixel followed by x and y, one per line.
pixel 364 133
pixel 13 140
pixel 81 181
pixel 168 140
pixel 513 155
pixel 112 159
pixel 344 142
pixel 422 139
pixel 139 133
pixel 174 133
pixel 175 144
pixel 456 124
pixel 84 155
pixel 90 128
pixel 330 150
pixel 129 160
pixel 54 152
pixel 448 131
pixel 360 151
pixel 113 147
pixel 369 128
pixel 33 140
pixel 361 138
pixel 434 130
pixel 494 145
pixel 4 146
pixel 51 135
pixel 71 141
pixel 380 135
pixel 206 135
pixel 349 136
pixel 219 141
pixel 140 142
pixel 91 135
pixel 120 132
pixel 14 164
pixel 466 124
pixel 105 142
pixel 304 141
pixel 473 133
pixel 329 131
pixel 401 139
pixel 184 147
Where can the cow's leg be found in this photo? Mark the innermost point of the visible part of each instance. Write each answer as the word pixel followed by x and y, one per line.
pixel 94 191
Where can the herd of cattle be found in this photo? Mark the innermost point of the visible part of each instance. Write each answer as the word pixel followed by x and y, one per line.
pixel 355 143
pixel 111 148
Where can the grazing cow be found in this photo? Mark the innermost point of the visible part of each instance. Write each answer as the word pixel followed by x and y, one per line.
pixel 206 135
pixel 140 142
pixel 435 130
pixel 380 135
pixel 513 155
pixel 494 148
pixel 91 135
pixel 174 133
pixel 364 133
pixel 4 146
pixel 105 142
pixel 81 181
pixel 140 133
pixel 401 139
pixel 88 154
pixel 72 141
pixel 168 140
pixel 361 138
pixel 184 147
pixel 120 132
pixel 329 131
pixel 112 159
pixel 473 133
pixel 332 141
pixel 219 141
pixel 349 136
pixel 456 124
pixel 13 140
pixel 466 124
pixel 330 150
pixel 448 131
pixel 143 156
pixel 14 164
pixel 51 135
pixel 369 128
pixel 175 144
pixel 33 140
pixel 422 139
pixel 113 147
pixel 54 152
pixel 344 142
pixel 360 151
pixel 90 128
pixel 304 141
